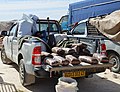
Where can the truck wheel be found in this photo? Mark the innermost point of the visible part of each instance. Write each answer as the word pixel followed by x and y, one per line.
pixel 4 58
pixel 115 60
pixel 25 78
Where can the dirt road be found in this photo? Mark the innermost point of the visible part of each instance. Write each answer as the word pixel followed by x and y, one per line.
pixel 103 82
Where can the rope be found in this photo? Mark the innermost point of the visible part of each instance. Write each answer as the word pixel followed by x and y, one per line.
pixel 22 39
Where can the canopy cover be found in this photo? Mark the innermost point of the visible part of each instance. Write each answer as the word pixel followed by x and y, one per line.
pixel 108 25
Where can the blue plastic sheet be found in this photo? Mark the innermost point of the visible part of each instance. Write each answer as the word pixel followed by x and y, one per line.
pixel 91 8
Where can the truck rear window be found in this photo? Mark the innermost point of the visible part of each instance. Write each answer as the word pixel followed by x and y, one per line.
pixel 80 29
pixel 52 27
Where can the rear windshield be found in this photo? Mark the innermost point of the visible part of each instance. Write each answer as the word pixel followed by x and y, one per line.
pixel 80 29
pixel 52 27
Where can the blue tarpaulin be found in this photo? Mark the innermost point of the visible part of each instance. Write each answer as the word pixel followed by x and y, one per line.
pixel 91 8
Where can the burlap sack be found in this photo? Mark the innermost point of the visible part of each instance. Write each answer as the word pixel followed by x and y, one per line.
pixel 109 25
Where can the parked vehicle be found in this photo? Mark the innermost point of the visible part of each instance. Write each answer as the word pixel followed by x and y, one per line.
pixel 1 39
pixel 86 30
pixel 4 26
pixel 26 52
pixel 85 9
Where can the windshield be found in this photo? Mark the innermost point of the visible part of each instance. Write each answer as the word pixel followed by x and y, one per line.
pixel 79 29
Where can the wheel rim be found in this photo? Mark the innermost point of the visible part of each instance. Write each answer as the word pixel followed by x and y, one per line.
pixel 115 61
pixel 21 71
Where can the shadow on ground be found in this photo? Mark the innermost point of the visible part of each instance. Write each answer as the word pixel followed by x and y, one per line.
pixel 95 84
pixel 43 85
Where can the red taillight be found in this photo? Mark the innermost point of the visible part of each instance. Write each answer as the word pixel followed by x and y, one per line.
pixel 103 49
pixel 36 60
pixel 103 46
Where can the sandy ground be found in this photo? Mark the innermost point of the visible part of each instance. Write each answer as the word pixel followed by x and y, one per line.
pixel 102 82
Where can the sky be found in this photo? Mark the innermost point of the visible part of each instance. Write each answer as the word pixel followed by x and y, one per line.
pixel 14 9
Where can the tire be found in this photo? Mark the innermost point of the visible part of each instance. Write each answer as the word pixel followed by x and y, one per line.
pixel 25 78
pixel 115 60
pixel 4 58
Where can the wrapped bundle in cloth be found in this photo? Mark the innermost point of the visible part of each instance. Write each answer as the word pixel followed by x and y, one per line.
pixel 88 59
pixel 68 50
pixel 80 46
pixel 73 60
pixel 54 54
pixel 81 49
pixel 86 52
pixel 58 50
pixel 108 25
pixel 101 58
pixel 52 62
pixel 61 60
pixel 45 54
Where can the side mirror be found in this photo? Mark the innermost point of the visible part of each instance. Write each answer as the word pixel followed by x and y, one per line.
pixel 4 33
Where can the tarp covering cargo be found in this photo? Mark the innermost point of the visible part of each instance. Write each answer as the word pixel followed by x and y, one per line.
pixel 108 25
pixel 91 8
pixel 27 25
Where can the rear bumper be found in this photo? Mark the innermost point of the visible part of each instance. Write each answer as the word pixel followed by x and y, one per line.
pixel 48 71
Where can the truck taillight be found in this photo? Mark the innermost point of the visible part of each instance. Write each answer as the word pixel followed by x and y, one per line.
pixel 36 60
pixel 103 49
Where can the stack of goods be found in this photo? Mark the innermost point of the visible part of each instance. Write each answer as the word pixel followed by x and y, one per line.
pixel 45 55
pixel 58 51
pixel 66 57
pixel 81 49
pixel 73 60
pixel 61 60
pixel 51 62
pixel 48 59
pixel 73 55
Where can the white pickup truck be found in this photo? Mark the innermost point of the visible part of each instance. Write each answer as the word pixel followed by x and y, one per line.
pixel 85 30
pixel 25 52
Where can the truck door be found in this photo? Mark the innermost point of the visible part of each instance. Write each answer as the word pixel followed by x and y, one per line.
pixel 10 41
